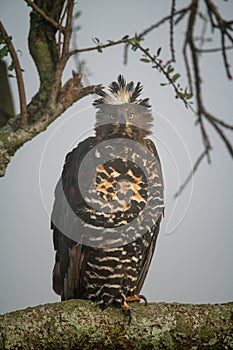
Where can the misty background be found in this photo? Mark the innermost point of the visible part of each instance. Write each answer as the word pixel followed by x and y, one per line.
pixel 193 262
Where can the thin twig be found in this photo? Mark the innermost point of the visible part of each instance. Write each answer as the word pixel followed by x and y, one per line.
pixel 214 49
pixel 223 27
pixel 59 41
pixel 65 52
pixel 213 122
pixel 187 67
pixel 180 12
pixel 19 75
pixel 172 31
pixel 203 33
pixel 160 67
pixel 225 60
pixel 44 15
pixel 222 123
pixel 189 41
pixel 190 176
pixel 101 46
pixel 68 29
pixel 205 138
pixel 163 20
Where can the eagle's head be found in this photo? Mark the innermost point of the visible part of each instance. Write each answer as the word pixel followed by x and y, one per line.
pixel 121 113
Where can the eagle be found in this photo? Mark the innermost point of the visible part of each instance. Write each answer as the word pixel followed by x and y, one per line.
pixel 109 203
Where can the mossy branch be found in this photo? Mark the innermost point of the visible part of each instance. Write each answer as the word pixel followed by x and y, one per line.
pixel 12 138
pixel 80 324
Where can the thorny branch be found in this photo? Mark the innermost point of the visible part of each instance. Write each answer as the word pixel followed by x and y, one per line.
pixel 19 75
pixel 191 56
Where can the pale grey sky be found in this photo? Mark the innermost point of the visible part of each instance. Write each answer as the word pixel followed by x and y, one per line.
pixel 193 262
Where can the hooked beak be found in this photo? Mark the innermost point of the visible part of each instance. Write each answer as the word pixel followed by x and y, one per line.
pixel 122 120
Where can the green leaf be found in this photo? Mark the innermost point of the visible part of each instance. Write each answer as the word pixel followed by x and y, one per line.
pixel 138 37
pixel 96 40
pixel 175 77
pixel 163 84
pixel 125 37
pixel 3 52
pixel 144 60
pixel 158 51
pixel 170 69
pixel 99 49
pixel 133 41
pixel 134 47
pixel 188 96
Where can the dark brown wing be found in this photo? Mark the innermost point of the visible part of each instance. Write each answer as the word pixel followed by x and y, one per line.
pixel 147 257
pixel 71 257
pixel 149 251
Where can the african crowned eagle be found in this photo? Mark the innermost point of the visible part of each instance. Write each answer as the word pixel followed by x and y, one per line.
pixel 109 203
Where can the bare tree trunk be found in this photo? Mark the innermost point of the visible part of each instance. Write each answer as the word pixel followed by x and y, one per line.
pixel 79 324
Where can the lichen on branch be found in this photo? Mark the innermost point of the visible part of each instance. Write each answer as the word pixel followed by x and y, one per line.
pixel 80 324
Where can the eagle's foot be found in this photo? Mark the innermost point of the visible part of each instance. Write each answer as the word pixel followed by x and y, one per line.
pixel 136 298
pixel 126 307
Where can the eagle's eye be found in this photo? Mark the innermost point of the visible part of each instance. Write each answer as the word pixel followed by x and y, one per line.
pixel 131 116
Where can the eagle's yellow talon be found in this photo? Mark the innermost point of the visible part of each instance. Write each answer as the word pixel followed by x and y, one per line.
pixel 133 298
pixel 126 306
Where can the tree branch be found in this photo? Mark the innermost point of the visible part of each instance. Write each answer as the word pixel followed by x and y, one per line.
pixel 190 176
pixel 101 46
pixel 214 122
pixel 62 61
pixel 146 31
pixel 80 324
pixel 172 31
pixel 158 64
pixel 189 41
pixel 214 49
pixel 224 54
pixel 12 140
pixel 223 27
pixel 192 64
pixel 68 30
pixel 19 75
pixel 44 15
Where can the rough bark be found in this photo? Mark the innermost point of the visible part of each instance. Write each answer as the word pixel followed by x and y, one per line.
pixel 79 324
